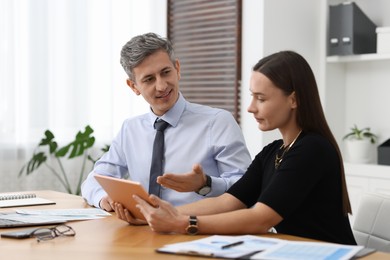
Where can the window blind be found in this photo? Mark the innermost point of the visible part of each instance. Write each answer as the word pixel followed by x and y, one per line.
pixel 206 36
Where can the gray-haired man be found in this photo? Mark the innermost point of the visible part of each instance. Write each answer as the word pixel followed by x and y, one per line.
pixel 204 152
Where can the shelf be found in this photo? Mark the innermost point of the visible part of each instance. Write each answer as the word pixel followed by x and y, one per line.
pixel 357 58
pixel 368 170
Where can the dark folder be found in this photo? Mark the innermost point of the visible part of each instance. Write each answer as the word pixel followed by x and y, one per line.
pixel 350 30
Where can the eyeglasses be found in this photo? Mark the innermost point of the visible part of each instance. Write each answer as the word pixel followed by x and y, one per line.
pixel 44 234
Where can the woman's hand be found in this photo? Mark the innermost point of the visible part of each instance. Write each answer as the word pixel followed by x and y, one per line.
pixel 162 217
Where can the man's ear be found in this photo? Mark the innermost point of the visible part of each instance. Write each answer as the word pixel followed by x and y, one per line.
pixel 133 87
pixel 177 67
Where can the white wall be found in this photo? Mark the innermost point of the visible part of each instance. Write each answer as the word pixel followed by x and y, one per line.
pixel 252 51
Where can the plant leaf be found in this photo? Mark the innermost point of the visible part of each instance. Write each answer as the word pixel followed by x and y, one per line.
pixel 360 134
pixel 49 141
pixel 33 163
pixel 82 142
pixel 62 151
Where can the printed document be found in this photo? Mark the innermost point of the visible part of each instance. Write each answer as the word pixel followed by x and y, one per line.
pixel 257 247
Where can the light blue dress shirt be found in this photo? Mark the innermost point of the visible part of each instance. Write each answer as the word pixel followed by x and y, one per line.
pixel 197 134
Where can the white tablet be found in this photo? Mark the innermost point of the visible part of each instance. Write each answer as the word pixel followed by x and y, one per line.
pixel 122 191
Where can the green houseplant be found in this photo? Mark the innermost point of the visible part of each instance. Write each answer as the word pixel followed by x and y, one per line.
pixel 361 134
pixel 360 144
pixel 47 152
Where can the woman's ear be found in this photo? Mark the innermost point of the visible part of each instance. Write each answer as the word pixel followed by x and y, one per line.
pixel 133 87
pixel 293 100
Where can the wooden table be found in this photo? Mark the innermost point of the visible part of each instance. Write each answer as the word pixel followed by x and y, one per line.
pixel 107 238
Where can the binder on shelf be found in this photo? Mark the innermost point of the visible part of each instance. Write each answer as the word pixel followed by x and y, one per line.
pixel 384 153
pixel 350 30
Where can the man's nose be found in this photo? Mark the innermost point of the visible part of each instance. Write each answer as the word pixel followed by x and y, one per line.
pixel 161 84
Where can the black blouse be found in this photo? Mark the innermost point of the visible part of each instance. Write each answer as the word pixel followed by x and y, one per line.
pixel 305 189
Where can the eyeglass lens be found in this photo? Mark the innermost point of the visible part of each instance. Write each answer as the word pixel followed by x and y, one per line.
pixel 43 234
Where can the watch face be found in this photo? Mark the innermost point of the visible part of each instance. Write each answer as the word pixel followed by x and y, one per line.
pixel 192 230
pixel 205 190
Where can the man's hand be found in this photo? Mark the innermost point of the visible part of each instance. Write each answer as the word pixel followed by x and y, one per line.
pixel 124 214
pixel 163 217
pixel 106 203
pixel 187 182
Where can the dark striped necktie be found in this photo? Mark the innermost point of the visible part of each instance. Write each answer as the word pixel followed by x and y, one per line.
pixel 156 167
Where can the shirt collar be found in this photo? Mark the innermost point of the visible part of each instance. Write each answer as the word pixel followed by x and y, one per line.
pixel 173 115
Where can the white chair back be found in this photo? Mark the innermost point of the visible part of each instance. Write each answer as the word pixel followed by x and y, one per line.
pixel 371 227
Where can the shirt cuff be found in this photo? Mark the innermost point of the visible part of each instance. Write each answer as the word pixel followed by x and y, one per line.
pixel 98 197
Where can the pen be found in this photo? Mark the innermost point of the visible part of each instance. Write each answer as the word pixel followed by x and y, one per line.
pixel 233 244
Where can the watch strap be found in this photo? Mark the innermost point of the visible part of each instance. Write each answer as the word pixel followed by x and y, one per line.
pixel 192 228
pixel 193 220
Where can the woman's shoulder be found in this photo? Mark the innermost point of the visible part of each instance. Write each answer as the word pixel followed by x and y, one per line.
pixel 270 148
pixel 314 139
pixel 315 143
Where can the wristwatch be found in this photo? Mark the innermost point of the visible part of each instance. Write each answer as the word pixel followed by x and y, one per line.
pixel 192 228
pixel 206 188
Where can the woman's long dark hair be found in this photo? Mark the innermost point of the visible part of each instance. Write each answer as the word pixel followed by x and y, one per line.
pixel 290 72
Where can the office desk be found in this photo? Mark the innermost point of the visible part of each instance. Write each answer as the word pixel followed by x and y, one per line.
pixel 107 238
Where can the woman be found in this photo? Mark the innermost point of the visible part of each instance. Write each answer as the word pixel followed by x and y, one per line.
pixel 295 185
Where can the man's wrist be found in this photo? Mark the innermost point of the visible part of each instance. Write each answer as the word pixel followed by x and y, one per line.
pixel 204 180
pixel 206 189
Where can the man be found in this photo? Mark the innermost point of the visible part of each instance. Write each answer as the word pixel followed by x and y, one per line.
pixel 205 151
